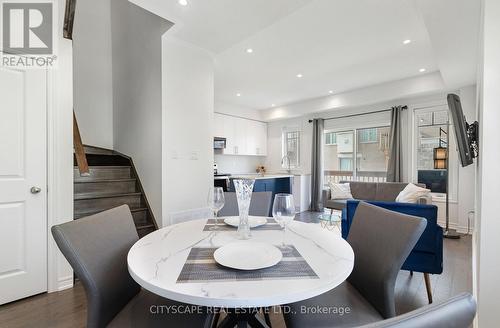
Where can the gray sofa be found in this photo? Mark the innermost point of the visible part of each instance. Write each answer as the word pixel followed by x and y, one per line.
pixel 370 191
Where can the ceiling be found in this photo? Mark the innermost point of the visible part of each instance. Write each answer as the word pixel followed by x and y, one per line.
pixel 337 45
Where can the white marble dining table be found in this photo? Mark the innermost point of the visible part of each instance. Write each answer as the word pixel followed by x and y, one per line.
pixel 156 260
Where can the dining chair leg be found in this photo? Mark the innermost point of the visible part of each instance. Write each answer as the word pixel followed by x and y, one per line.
pixel 228 322
pixel 428 287
pixel 215 320
pixel 267 318
pixel 265 312
pixel 331 211
pixel 256 322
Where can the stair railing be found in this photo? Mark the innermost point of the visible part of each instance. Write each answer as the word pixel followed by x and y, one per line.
pixel 81 158
pixel 69 17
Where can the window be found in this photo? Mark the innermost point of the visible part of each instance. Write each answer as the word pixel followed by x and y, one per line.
pixel 291 149
pixel 358 154
pixel 345 164
pixel 368 135
pixel 330 138
pixel 432 132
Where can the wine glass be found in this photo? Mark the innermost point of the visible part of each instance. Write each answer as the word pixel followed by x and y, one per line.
pixel 283 211
pixel 216 203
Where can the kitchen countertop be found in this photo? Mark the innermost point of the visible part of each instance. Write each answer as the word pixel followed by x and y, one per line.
pixel 258 176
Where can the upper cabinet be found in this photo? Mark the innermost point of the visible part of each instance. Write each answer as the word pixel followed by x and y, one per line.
pixel 243 136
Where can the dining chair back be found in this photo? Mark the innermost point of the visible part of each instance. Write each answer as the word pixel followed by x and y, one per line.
pixel 457 312
pixel 96 247
pixel 260 205
pixel 381 241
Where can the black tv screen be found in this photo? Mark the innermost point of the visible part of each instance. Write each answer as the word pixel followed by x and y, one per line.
pixel 435 180
pixel 460 126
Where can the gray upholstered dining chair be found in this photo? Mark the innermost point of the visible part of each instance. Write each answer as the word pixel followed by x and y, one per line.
pixel 381 241
pixel 457 312
pixel 260 205
pixel 97 248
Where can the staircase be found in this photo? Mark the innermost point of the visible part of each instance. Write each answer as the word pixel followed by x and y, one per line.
pixel 111 181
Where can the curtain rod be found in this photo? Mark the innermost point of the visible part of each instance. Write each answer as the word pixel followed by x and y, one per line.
pixel 360 114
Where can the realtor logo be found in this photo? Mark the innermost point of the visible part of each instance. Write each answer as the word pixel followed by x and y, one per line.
pixel 28 34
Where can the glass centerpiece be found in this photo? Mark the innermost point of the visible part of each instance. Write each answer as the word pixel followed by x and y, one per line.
pixel 244 188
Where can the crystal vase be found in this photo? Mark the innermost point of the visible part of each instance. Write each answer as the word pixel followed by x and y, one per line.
pixel 244 188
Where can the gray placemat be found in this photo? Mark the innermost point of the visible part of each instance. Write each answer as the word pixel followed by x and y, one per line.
pixel 200 266
pixel 270 225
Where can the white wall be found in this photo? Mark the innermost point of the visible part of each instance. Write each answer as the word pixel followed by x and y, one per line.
pixel 92 75
pixel 60 156
pixel 467 175
pixel 239 111
pixel 137 93
pixel 188 108
pixel 487 243
pixel 419 86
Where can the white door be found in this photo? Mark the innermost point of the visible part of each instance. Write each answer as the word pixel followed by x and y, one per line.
pixel 23 194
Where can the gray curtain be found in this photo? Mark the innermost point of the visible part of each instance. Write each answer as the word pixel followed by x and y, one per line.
pixel 395 165
pixel 317 165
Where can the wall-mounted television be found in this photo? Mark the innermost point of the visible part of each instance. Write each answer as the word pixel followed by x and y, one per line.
pixel 465 133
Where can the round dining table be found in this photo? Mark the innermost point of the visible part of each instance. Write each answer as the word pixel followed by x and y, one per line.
pixel 165 264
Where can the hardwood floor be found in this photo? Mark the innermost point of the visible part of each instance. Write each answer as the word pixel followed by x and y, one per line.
pixel 68 308
pixel 64 309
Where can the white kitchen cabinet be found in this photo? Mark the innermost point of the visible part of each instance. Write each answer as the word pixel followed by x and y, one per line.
pixel 243 136
pixel 261 132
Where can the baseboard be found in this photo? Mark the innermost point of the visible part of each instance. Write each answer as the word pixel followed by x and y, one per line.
pixel 454 226
pixel 65 283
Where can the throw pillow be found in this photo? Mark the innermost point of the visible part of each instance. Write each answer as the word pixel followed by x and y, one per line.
pixel 340 190
pixel 412 193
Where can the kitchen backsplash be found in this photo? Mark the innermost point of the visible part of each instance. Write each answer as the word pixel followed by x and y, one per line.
pixel 238 164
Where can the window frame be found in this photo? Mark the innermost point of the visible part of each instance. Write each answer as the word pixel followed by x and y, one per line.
pixel 284 147
pixel 333 138
pixel 453 168
pixel 369 130
pixel 355 131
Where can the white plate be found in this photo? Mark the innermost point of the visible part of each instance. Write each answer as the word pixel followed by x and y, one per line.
pixel 253 221
pixel 248 255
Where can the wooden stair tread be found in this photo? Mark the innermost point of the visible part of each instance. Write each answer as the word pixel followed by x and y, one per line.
pixel 146 226
pixel 106 167
pixel 97 180
pixel 95 195
pixel 83 214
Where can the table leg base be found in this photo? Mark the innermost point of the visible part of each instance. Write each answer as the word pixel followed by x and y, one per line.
pixel 243 319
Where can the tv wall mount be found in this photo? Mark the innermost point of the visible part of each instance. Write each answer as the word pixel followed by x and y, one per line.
pixel 473 135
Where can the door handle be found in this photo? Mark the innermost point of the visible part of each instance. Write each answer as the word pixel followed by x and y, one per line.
pixel 35 190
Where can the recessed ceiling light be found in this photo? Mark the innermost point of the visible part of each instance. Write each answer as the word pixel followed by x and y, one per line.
pixel 422 70
pixel 408 41
pixel 273 105
pixel 183 2
pixel 249 50
pixel 238 95
pixel 299 75
pixel 330 92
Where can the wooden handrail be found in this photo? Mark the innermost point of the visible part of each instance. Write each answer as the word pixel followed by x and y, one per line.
pixel 69 17
pixel 81 158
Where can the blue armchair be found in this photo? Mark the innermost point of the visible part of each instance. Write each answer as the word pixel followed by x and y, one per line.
pixel 427 255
